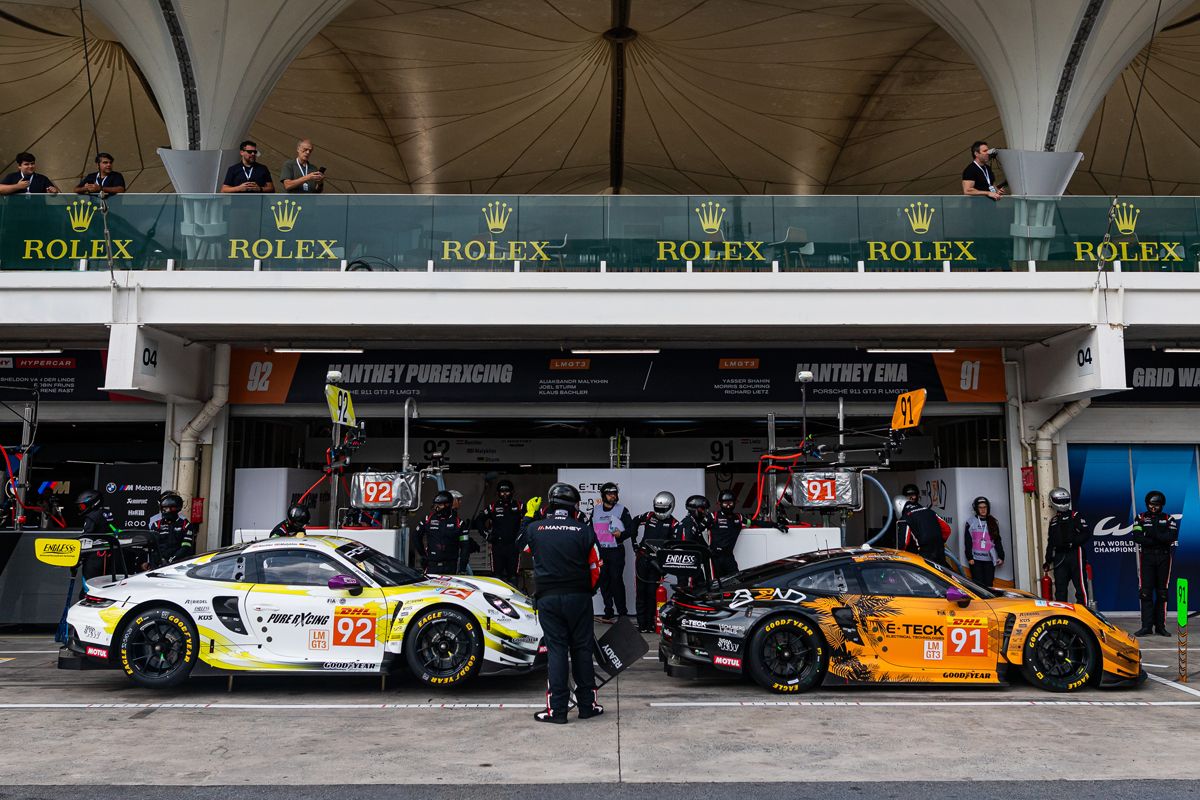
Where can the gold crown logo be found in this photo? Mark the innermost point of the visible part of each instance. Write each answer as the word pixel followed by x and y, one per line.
pixel 710 215
pixel 496 215
pixel 919 216
pixel 1126 217
pixel 286 212
pixel 80 213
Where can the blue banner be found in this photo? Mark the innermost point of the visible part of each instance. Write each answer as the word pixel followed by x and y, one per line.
pixel 1109 483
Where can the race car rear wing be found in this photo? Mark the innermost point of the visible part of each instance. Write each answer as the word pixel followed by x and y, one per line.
pixel 686 560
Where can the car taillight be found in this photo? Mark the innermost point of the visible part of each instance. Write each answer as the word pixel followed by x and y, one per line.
pixel 91 601
pixel 695 607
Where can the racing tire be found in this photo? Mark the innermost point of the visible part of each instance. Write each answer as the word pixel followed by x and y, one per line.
pixel 445 647
pixel 787 655
pixel 158 647
pixel 1060 655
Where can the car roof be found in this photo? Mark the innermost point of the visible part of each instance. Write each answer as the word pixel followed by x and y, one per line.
pixel 304 542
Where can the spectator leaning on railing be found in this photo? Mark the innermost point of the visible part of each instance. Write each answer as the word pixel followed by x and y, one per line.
pixel 248 175
pixel 103 181
pixel 297 175
pixel 978 178
pixel 26 180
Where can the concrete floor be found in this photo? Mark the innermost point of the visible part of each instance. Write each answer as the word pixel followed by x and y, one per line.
pixel 97 729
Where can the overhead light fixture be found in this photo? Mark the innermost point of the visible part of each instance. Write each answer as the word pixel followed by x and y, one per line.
pixel 39 351
pixel 710 466
pixel 1181 349
pixel 647 351
pixel 316 349
pixel 525 466
pixel 910 349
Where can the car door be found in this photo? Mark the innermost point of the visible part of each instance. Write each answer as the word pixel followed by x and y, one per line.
pixel 301 621
pixel 912 625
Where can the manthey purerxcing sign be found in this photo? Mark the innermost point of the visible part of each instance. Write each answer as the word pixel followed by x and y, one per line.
pixel 768 375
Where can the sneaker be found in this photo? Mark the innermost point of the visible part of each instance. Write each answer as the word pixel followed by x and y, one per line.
pixel 1143 632
pixel 548 716
pixel 595 711
pixel 1161 631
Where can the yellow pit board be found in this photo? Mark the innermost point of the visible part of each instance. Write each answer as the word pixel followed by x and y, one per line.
pixel 908 410
pixel 341 407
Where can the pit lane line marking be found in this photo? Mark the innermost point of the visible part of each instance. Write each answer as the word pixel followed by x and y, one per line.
pixel 925 703
pixel 27 652
pixel 268 706
pixel 1173 684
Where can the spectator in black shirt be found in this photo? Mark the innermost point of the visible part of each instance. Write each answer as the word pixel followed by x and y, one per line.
pixel 26 180
pixel 103 181
pixel 248 175
pixel 978 178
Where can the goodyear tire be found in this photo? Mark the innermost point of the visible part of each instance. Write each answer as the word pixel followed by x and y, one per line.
pixel 445 647
pixel 158 647
pixel 1060 655
pixel 787 654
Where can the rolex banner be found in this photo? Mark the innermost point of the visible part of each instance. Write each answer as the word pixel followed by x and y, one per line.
pixel 692 376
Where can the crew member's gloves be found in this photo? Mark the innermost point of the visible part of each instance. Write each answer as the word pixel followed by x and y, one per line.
pixel 533 506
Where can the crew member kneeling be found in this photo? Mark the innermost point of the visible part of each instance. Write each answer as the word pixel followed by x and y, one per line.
pixel 566 567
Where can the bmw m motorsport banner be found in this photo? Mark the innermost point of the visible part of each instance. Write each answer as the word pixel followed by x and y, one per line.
pixel 1109 483
pixel 526 376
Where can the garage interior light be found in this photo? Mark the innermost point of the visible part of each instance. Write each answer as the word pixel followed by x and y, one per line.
pixel 910 349
pixel 650 351
pixel 316 349
pixel 1181 349
pixel 38 351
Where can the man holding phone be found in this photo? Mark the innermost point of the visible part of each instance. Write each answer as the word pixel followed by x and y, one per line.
pixel 27 179
pixel 298 176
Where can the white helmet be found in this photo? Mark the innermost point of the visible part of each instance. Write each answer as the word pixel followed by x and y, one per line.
pixel 1060 499
pixel 664 504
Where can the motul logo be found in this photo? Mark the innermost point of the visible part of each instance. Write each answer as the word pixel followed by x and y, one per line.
pixel 738 363
pixel 727 661
pixel 570 363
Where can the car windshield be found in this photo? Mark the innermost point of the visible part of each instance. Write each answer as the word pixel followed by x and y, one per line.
pixel 383 568
pixel 982 593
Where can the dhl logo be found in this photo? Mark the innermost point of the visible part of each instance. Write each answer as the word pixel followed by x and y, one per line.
pixel 970 622
pixel 354 611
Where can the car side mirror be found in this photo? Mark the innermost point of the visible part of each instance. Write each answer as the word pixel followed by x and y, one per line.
pixel 956 595
pixel 347 583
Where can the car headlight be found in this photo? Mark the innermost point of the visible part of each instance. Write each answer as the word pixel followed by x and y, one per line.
pixel 502 605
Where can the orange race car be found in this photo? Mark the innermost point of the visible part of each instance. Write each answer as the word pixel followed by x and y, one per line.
pixel 854 616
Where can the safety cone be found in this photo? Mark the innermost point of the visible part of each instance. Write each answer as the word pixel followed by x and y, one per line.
pixel 660 598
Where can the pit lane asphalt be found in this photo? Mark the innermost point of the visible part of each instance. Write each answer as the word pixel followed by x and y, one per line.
pixel 97 730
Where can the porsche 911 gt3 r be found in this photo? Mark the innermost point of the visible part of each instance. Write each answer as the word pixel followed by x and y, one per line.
pixel 856 616
pixel 311 604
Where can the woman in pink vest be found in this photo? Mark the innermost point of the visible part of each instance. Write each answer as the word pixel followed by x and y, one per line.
pixel 981 541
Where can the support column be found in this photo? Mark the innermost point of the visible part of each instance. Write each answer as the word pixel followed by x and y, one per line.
pixel 211 65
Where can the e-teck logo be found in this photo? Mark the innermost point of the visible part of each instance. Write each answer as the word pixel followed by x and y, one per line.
pixel 496 215
pixel 1125 216
pixel 710 214
pixel 920 216
pixel 285 214
pixel 79 214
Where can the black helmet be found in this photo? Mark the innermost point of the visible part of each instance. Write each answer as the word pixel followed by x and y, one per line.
pixel 726 497
pixel 563 495
pixel 696 503
pixel 978 501
pixel 664 504
pixel 1060 499
pixel 1156 498
pixel 442 500
pixel 609 488
pixel 504 486
pixel 298 515
pixel 909 489
pixel 170 503
pixel 87 500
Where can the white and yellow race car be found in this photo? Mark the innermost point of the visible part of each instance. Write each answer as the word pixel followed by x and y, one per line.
pixel 308 604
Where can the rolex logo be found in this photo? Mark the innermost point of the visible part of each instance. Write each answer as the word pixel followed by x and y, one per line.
pixel 1126 216
pixel 80 213
pixel 286 212
pixel 496 215
pixel 919 216
pixel 710 215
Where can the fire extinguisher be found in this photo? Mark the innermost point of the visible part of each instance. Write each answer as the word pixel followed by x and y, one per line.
pixel 660 599
pixel 1047 586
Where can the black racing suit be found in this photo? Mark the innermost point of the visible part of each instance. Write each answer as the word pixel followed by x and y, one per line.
pixel 657 533
pixel 1156 535
pixel 1066 555
pixel 174 540
pixel 101 520
pixel 923 533
pixel 725 531
pixel 285 528
pixel 695 529
pixel 500 523
pixel 443 542
pixel 566 565
pixel 612 573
